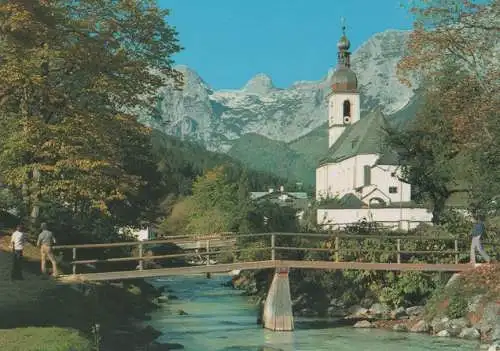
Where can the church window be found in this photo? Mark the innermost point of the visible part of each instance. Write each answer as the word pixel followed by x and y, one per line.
pixel 393 190
pixel 367 178
pixel 354 142
pixel 347 108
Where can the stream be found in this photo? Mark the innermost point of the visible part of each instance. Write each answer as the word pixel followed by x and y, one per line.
pixel 220 318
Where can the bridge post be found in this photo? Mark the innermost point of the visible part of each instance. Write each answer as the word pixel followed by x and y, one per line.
pixel 208 275
pixel 141 261
pixel 208 250
pixel 278 315
pixel 337 248
pixel 74 259
pixel 273 247
pixel 399 249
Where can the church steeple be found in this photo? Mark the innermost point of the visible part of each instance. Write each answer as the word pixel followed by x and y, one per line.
pixel 344 79
pixel 344 104
pixel 343 45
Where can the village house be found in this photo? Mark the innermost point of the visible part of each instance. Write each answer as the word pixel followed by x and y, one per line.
pixel 297 200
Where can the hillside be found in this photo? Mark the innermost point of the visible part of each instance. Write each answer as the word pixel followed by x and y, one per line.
pixel 276 157
pixel 180 162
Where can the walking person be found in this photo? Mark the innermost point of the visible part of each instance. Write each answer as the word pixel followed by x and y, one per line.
pixel 477 231
pixel 17 241
pixel 45 241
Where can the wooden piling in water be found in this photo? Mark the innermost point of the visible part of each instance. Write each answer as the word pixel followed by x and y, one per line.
pixel 278 314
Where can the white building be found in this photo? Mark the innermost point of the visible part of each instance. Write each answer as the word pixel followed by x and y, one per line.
pixel 298 200
pixel 141 234
pixel 358 163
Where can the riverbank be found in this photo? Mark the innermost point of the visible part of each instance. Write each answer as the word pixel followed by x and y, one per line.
pixel 69 313
pixel 468 307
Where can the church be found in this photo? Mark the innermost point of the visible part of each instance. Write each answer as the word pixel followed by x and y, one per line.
pixel 358 168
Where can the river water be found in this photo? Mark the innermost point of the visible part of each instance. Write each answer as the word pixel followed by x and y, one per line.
pixel 221 319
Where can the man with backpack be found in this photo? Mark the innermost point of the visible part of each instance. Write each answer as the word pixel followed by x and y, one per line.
pixel 478 230
pixel 45 241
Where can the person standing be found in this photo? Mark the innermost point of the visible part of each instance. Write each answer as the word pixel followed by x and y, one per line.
pixel 45 241
pixel 478 230
pixel 17 241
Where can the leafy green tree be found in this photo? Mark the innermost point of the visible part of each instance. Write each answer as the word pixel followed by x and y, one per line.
pixel 71 78
pixel 451 49
pixel 428 150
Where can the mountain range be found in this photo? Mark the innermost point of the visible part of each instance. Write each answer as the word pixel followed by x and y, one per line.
pixel 278 130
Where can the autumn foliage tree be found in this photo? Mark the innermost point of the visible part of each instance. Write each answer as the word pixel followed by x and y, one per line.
pixel 452 54
pixel 71 76
pixel 429 151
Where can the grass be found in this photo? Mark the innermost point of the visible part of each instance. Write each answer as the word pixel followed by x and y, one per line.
pixel 31 308
pixel 43 339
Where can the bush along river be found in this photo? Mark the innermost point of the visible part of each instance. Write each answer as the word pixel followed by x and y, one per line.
pixel 200 314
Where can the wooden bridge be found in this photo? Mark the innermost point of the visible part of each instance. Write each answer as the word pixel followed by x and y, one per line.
pixel 279 251
pixel 234 246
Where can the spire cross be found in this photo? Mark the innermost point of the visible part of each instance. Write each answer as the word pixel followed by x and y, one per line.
pixel 342 22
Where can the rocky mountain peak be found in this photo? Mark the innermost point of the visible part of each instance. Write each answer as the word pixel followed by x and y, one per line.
pixel 218 117
pixel 260 84
pixel 192 79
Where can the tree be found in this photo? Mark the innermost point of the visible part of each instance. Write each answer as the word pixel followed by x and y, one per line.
pixel 428 150
pixel 213 206
pixel 462 34
pixel 72 75
pixel 450 53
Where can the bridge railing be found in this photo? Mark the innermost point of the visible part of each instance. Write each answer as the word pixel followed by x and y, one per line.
pixel 278 244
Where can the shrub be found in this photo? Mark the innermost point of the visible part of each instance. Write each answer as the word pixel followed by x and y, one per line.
pixel 457 306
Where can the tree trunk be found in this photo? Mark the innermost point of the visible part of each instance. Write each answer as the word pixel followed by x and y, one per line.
pixel 438 208
pixel 35 209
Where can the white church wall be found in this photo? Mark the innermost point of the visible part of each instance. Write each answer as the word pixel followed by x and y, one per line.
pixel 336 114
pixel 390 217
pixel 336 106
pixel 360 161
pixel 341 177
pixel 333 134
pixel 383 179
pixel 321 182
pixel 374 193
pixel 335 179
pixel 338 179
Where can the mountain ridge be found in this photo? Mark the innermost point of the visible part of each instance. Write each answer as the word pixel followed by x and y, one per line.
pixel 217 118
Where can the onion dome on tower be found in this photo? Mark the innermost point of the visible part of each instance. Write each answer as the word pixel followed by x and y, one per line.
pixel 344 80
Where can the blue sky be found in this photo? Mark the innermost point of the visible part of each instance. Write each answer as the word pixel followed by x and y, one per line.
pixel 229 41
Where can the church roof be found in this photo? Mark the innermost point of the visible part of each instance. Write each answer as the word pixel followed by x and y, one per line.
pixel 364 137
pixel 351 201
pixel 389 158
